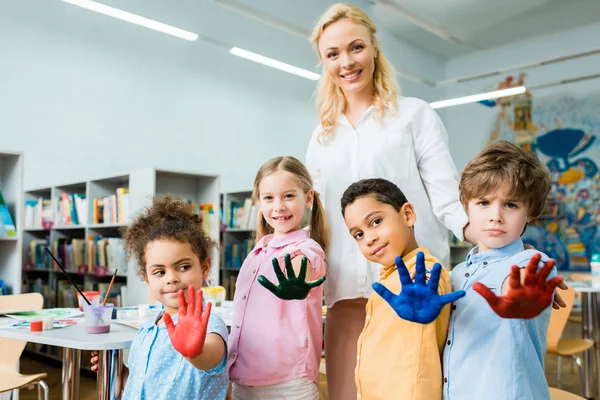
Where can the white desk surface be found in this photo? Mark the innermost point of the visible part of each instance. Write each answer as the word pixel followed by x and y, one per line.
pixel 225 311
pixel 73 337
pixel 589 285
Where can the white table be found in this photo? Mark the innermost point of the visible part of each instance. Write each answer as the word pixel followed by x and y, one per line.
pixel 110 346
pixel 589 328
pixel 225 311
pixel 73 339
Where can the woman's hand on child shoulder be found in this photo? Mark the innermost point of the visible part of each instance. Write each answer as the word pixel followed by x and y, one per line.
pixel 293 287
pixel 526 300
pixel 418 301
pixel 189 335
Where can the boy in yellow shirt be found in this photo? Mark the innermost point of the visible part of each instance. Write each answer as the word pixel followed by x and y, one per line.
pixel 398 358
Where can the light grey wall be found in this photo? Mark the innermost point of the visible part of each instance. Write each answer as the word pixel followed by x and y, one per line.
pixel 85 95
pixel 470 125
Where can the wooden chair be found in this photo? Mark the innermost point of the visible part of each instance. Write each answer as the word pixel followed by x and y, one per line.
pixel 565 347
pixel 558 394
pixel 10 349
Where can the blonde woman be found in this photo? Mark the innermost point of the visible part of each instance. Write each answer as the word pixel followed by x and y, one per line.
pixel 367 130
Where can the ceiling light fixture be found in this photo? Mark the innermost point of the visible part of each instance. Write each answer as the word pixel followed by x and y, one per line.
pixel 134 19
pixel 270 62
pixel 479 97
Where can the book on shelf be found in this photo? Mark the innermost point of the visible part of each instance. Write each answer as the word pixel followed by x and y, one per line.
pixel 66 294
pixel 71 209
pixel 229 285
pixel 241 215
pixel 117 291
pixel 38 285
pixel 107 252
pixel 7 226
pixel 36 256
pixel 206 211
pixel 70 252
pixel 113 209
pixel 235 254
pixel 38 213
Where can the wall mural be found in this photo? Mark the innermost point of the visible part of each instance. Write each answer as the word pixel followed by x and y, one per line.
pixel 563 131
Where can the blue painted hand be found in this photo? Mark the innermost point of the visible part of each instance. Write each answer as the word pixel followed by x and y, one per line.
pixel 418 301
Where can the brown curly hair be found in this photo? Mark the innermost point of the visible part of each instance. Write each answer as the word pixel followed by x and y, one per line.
pixel 167 218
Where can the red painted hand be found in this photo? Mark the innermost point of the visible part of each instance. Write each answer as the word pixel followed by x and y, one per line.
pixel 189 334
pixel 523 301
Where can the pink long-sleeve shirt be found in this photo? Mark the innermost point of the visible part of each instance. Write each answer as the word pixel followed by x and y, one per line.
pixel 272 340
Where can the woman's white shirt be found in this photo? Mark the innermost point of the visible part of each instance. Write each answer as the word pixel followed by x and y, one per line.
pixel 409 148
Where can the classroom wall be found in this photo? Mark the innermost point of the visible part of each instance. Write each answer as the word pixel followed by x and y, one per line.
pixel 470 125
pixel 83 95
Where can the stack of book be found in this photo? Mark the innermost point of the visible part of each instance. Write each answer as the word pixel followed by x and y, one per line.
pixel 7 226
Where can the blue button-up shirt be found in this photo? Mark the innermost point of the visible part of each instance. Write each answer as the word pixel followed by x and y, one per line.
pixel 488 357
pixel 158 371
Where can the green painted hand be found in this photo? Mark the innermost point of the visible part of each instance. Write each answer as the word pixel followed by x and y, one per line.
pixel 292 287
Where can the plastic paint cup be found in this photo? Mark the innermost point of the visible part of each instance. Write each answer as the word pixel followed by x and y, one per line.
pixel 97 318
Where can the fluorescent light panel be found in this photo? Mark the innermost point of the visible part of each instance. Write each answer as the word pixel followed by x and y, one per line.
pixel 479 97
pixel 270 62
pixel 134 19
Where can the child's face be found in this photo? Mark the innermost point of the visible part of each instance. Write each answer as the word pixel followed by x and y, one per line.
pixel 382 233
pixel 496 220
pixel 172 265
pixel 282 202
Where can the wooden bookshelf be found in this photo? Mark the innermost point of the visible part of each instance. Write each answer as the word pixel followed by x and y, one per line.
pixel 11 185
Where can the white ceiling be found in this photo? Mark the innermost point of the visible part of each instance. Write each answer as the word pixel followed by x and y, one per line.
pixel 482 24
pixel 282 26
pixel 479 24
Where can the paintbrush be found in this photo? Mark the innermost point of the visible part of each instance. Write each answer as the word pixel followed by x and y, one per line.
pixel 109 287
pixel 68 277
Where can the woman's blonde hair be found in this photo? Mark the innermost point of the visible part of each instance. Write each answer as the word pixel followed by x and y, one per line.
pixel 319 228
pixel 331 102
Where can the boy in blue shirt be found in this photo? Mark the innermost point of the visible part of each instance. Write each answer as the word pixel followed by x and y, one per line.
pixel 497 334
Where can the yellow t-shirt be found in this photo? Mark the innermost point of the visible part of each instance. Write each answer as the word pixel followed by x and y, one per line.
pixel 398 359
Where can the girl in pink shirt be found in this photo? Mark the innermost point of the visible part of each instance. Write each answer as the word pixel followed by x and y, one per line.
pixel 276 333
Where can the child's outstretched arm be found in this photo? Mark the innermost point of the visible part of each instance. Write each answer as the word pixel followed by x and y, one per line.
pixel 292 287
pixel 189 335
pixel 526 300
pixel 418 301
